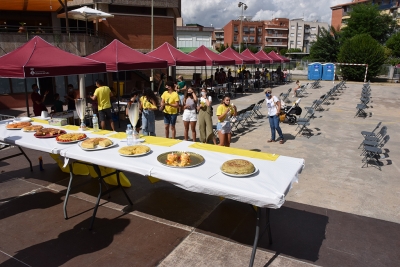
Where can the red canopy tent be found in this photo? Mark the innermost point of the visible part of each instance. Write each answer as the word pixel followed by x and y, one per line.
pixel 262 56
pixel 239 59
pixel 274 55
pixel 120 57
pixel 249 54
pixel 211 58
pixel 37 58
pixel 175 57
pixel 398 66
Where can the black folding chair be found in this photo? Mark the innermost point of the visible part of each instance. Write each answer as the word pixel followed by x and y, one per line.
pixel 303 125
pixel 374 155
pixel 366 133
pixel 361 110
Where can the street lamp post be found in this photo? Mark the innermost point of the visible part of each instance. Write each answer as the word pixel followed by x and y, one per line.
pixel 244 7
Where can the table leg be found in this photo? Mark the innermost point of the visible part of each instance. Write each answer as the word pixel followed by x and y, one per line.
pixel 16 155
pixel 257 235
pixel 71 177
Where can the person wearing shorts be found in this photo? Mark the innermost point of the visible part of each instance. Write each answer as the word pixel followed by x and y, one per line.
pixel 224 113
pixel 189 114
pixel 169 106
pixel 103 95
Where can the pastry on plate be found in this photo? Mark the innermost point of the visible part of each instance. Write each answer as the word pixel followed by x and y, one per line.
pixel 94 142
pixel 32 128
pixel 48 132
pixel 134 150
pixel 71 137
pixel 238 166
pixel 18 125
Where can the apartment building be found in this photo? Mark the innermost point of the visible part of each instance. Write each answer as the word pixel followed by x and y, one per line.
pixel 340 13
pixel 303 33
pixel 244 31
pixel 218 37
pixel 276 33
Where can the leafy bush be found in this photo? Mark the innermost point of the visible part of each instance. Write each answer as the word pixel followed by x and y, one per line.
pixel 393 43
pixel 361 49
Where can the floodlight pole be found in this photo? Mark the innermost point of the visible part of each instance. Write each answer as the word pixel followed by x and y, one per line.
pixel 152 44
pixel 243 6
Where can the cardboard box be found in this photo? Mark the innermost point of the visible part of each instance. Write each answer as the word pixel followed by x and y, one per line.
pixel 58 122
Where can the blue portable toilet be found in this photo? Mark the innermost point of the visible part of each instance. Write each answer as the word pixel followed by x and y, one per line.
pixel 314 71
pixel 328 71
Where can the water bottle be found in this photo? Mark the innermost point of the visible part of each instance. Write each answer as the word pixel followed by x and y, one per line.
pixel 95 122
pixel 129 135
pixel 135 136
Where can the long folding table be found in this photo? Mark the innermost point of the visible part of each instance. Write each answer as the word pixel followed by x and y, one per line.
pixel 265 189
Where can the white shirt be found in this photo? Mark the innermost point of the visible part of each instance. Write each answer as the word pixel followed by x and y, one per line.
pixel 271 105
pixel 203 100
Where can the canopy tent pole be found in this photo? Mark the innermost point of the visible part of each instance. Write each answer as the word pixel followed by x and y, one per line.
pixel 26 98
pixel 119 122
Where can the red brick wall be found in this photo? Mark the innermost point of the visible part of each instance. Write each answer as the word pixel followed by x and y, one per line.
pixel 135 31
pixel 337 18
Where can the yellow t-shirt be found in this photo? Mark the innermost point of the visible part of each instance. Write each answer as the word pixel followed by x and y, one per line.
pixel 170 99
pixel 103 97
pixel 222 109
pixel 146 104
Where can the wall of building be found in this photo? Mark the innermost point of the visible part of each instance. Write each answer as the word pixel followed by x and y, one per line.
pixel 194 38
pixel 336 21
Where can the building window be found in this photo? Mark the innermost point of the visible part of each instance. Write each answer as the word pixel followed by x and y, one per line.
pixel 259 30
pixel 300 27
pixel 235 38
pixel 292 27
pixel 245 29
pixel 259 39
pixel 235 29
pixel 252 30
pixel 203 38
pixel 298 42
pixel 252 39
pixel 245 39
pixel 185 38
pixel 313 28
pixel 292 42
pixel 299 35
pixel 292 34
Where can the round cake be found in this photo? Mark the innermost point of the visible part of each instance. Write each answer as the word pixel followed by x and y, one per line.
pixel 134 150
pixel 238 166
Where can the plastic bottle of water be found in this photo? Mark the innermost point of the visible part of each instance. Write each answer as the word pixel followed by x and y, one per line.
pixel 129 135
pixel 95 122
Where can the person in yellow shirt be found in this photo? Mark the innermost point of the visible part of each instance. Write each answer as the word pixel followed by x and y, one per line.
pixel 103 95
pixel 148 104
pixel 169 106
pixel 224 113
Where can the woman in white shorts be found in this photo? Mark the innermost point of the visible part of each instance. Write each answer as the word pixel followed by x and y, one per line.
pixel 224 113
pixel 189 113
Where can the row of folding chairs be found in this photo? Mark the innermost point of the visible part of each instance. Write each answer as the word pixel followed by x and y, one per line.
pixel 326 98
pixel 372 146
pixel 285 96
pixel 316 84
pixel 302 90
pixel 365 98
pixel 245 116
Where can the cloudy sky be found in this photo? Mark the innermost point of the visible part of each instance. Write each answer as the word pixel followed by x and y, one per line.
pixel 220 12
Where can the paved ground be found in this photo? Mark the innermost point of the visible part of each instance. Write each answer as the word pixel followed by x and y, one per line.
pixel 339 214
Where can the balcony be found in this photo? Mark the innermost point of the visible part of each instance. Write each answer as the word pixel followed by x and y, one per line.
pixel 280 35
pixel 78 42
pixel 285 44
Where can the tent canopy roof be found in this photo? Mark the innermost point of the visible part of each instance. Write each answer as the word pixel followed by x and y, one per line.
pixel 248 53
pixel 175 57
pixel 188 50
pixel 274 55
pixel 264 57
pixel 120 57
pixel 37 58
pixel 210 57
pixel 239 59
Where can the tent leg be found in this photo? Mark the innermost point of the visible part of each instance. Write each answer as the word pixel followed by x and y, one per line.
pixel 26 98
pixel 119 122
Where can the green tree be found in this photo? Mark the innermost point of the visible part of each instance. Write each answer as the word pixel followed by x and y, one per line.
pixel 221 48
pixel 282 51
pixel 253 49
pixel 294 50
pixel 361 49
pixel 269 49
pixel 393 43
pixel 327 46
pixel 366 18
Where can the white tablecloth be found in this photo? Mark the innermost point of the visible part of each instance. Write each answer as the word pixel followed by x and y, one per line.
pixel 267 188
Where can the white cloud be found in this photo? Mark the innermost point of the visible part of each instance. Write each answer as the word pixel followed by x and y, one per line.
pixel 220 12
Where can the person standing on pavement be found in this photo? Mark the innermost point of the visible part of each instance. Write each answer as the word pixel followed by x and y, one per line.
pixel 205 118
pixel 148 104
pixel 181 90
pixel 169 106
pixel 274 109
pixel 103 95
pixel 224 113
pixel 38 100
pixel 189 114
